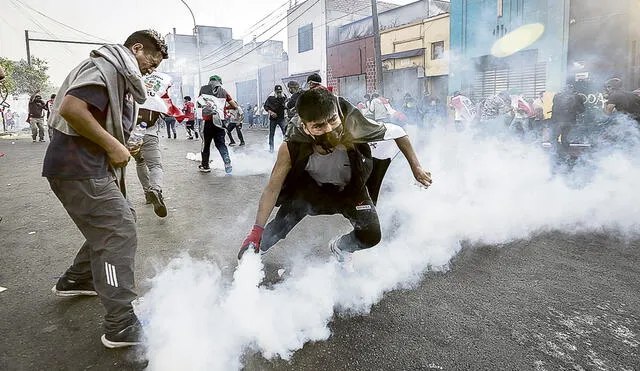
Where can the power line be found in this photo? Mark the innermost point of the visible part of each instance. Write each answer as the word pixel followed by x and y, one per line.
pixel 262 43
pixel 251 29
pixel 60 23
pixel 265 31
pixel 46 30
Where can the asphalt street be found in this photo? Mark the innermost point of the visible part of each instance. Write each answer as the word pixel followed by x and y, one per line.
pixel 554 302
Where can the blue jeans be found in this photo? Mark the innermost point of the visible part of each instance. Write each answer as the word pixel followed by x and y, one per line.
pixel 272 130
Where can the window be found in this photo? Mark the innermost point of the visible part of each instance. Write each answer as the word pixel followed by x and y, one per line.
pixel 437 50
pixel 305 38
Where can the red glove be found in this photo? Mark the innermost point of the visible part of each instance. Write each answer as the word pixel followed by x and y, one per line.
pixel 252 240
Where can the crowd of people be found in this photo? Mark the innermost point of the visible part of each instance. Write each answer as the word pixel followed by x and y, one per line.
pixel 332 161
pixel 326 164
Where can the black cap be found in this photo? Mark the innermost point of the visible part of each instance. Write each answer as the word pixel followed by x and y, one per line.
pixel 277 88
pixel 314 77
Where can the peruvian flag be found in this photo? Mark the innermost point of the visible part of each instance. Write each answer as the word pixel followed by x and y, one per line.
pixel 158 99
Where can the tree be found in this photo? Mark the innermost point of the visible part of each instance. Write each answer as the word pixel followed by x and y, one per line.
pixel 23 78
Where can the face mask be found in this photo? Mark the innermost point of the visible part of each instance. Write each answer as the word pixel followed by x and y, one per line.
pixel 329 141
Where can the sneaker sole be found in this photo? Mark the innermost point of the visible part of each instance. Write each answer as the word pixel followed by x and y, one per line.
pixel 158 206
pixel 205 170
pixel 68 294
pixel 120 344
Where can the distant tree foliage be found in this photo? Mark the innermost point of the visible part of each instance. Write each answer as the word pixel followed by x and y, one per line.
pixel 25 79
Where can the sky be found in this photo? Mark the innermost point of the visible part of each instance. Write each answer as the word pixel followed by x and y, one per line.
pixel 114 20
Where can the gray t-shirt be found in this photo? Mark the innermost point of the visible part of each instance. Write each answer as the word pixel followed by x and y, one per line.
pixel 332 168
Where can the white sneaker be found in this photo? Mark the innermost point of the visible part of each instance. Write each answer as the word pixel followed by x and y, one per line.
pixel 345 258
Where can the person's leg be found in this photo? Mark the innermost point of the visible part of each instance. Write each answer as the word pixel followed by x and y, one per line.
pixel 288 216
pixel 240 136
pixel 168 129
pixel 173 128
pixel 40 123
pixel 218 139
pixel 207 137
pixel 362 214
pixel 272 131
pixel 34 129
pixel 141 168
pixel 101 212
pixel 230 127
pixel 151 152
pixel 283 126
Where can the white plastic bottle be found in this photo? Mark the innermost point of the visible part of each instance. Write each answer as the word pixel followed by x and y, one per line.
pixel 135 139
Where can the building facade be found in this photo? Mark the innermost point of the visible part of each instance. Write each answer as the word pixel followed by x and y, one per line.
pixel 477 24
pixel 603 43
pixel 351 58
pixel 312 25
pixel 415 58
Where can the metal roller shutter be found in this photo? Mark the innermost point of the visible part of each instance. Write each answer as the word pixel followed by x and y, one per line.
pixel 530 80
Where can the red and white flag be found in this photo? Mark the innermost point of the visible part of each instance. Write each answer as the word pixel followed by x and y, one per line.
pixel 158 99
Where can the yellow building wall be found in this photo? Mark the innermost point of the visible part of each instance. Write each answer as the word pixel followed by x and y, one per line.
pixel 418 35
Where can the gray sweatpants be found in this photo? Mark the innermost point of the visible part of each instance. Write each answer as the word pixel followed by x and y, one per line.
pixel 103 215
pixel 149 164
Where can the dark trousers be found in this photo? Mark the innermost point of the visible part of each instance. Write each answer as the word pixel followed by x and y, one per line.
pixel 171 126
pixel 105 219
pixel 211 132
pixel 190 126
pixel 314 200
pixel 238 127
pixel 272 130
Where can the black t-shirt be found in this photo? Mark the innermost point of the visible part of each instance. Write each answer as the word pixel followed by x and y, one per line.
pixel 625 102
pixel 76 157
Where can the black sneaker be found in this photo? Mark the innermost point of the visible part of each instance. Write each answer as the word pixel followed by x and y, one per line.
pixel 204 169
pixel 129 336
pixel 158 203
pixel 241 144
pixel 68 288
pixel 148 198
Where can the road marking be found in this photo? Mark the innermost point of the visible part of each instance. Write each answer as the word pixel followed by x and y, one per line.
pixel 2 288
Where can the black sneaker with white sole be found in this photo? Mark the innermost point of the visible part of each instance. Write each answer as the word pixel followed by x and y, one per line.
pixel 158 203
pixel 127 337
pixel 68 288
pixel 204 169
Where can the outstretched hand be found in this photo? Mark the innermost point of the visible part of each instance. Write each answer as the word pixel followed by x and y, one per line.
pixel 252 242
pixel 423 177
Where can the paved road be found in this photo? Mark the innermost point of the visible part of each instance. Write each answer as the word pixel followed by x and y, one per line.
pixel 553 302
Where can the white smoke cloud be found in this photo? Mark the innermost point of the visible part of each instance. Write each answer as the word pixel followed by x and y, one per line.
pixel 485 191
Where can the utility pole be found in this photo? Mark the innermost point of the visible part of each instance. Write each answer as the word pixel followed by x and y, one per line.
pixel 196 33
pixel 376 48
pixel 26 40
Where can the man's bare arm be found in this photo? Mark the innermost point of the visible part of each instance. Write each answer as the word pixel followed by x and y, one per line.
pixel 272 190
pixel 76 112
pixel 422 176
